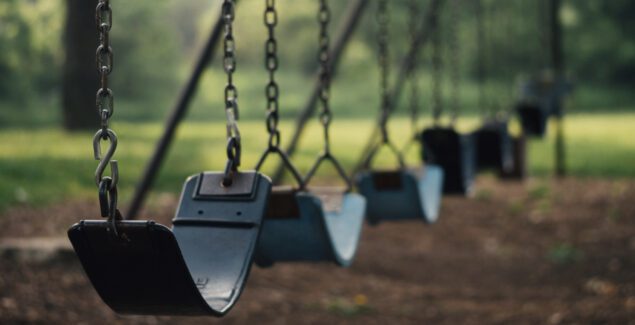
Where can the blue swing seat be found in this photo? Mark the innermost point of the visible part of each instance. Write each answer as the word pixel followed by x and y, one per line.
pixel 299 228
pixel 402 194
pixel 199 267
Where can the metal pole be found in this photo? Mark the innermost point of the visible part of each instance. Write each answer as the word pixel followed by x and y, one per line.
pixel 351 20
pixel 175 118
pixel 557 58
pixel 428 25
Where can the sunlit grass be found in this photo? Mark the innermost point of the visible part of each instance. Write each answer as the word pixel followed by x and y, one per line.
pixel 46 165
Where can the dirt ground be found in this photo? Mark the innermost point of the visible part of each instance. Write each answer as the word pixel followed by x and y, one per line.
pixel 542 252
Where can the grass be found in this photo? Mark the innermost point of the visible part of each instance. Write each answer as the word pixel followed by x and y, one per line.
pixel 45 165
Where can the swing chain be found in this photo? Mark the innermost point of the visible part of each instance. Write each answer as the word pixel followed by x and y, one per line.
pixel 437 103
pixel 104 60
pixel 480 43
pixel 324 18
pixel 324 58
pixel 412 71
pixel 454 57
pixel 382 42
pixel 272 90
pixel 231 94
pixel 107 185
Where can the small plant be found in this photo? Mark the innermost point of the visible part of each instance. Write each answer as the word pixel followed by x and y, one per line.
pixel 614 213
pixel 483 195
pixel 539 192
pixel 516 208
pixel 544 206
pixel 565 254
pixel 349 307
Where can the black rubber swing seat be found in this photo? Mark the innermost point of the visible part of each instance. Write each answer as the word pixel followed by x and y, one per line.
pixel 494 147
pixel 453 152
pixel 533 118
pixel 402 194
pixel 199 267
pixel 301 226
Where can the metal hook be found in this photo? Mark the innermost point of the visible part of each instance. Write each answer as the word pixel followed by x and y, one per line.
pixel 106 159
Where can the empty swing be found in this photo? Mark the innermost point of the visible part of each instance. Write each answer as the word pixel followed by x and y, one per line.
pixel 492 140
pixel 401 193
pixel 300 225
pixel 541 98
pixel 443 145
pixel 541 95
pixel 199 267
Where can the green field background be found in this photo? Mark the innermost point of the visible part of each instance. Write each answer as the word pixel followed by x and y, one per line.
pixel 46 165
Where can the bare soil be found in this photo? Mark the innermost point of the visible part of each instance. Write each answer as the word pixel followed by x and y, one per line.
pixel 539 252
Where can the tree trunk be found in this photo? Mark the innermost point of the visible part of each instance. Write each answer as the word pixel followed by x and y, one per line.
pixel 80 73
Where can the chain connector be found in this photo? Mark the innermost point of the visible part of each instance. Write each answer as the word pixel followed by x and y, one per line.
pixel 105 160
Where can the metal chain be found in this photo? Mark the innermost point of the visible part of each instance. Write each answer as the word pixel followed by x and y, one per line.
pixel 107 185
pixel 231 94
pixel 455 75
pixel 382 42
pixel 437 102
pixel 412 72
pixel 104 60
pixel 272 90
pixel 324 17
pixel 480 43
pixel 324 58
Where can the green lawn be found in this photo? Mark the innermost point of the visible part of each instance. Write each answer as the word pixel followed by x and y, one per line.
pixel 46 165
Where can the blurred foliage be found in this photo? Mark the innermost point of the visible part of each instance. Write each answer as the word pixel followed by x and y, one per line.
pixel 48 165
pixel 155 43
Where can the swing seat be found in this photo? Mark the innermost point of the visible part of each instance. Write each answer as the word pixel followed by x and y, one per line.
pixel 199 267
pixel 493 147
pixel 454 153
pixel 533 118
pixel 518 171
pixel 402 194
pixel 298 227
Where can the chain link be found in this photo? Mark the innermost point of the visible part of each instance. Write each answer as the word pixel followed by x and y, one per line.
pixel 382 43
pixel 272 90
pixel 231 93
pixel 107 185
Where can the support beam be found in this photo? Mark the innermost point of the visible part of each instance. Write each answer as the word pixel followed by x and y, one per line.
pixel 176 116
pixel 428 26
pixel 347 27
pixel 557 64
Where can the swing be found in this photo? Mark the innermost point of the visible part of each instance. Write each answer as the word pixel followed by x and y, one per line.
pixel 199 267
pixel 399 194
pixel 443 145
pixel 540 98
pixel 300 225
pixel 541 95
pixel 492 140
pixel 493 146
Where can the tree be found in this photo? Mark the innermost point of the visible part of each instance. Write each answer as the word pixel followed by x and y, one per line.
pixel 80 77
